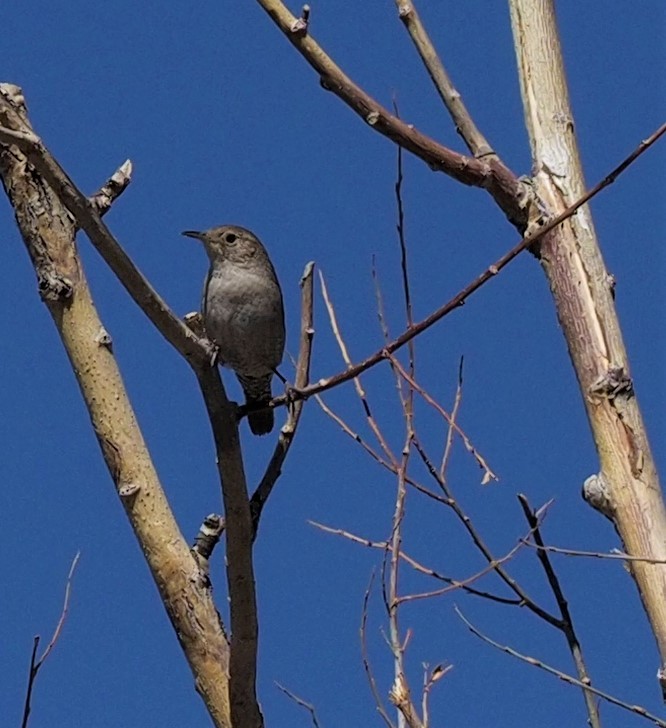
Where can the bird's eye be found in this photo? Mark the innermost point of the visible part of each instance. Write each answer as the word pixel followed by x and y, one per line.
pixel 230 238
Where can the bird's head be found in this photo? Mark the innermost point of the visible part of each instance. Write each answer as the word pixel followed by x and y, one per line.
pixel 230 243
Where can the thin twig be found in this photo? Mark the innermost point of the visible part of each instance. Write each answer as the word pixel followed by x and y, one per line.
pixel 460 298
pixel 614 554
pixel 474 534
pixel 288 431
pixel 567 627
pixel 465 126
pixel 36 664
pixel 448 447
pixel 299 701
pixel 488 474
pixel 366 657
pixel 639 710
pixel 357 381
pixel 427 571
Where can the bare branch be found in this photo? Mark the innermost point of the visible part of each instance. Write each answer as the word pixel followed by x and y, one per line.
pixel 35 664
pixel 465 126
pixel 357 382
pixel 489 474
pixel 299 701
pixel 223 416
pixel 288 431
pixel 182 586
pixel 88 219
pixel 561 675
pixel 459 299
pixel 488 173
pixel 454 420
pixel 567 621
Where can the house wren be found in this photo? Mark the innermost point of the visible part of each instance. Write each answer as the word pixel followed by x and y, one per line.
pixel 243 313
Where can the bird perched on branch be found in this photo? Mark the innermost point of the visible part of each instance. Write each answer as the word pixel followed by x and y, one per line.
pixel 243 314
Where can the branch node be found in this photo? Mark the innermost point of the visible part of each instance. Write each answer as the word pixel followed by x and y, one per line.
pixel 129 490
pixel 208 537
pixel 300 25
pixel 596 494
pixel 103 338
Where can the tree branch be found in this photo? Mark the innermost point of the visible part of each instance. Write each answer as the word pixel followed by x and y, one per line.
pixel 48 232
pixel 460 298
pixel 465 126
pixel 503 185
pixel 288 431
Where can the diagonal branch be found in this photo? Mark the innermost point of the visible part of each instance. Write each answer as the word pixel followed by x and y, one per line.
pixel 489 173
pixel 465 126
pixel 460 298
pixel 637 709
pixel 16 130
pixel 567 626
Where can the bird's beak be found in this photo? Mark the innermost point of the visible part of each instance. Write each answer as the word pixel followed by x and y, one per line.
pixel 192 234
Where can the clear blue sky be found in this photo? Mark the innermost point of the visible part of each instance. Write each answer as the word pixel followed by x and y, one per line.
pixel 224 122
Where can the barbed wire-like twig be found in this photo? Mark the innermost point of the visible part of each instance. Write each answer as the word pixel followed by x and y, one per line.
pixel 357 381
pixel 417 566
pixel 468 525
pixel 639 710
pixel 460 298
pixel 36 664
pixel 488 473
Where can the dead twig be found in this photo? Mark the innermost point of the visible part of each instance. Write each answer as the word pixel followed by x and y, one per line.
pixel 566 624
pixel 637 709
pixel 36 664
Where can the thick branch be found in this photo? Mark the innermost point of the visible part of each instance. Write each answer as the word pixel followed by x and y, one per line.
pixel 583 294
pixel 223 416
pixel 48 232
pixel 18 132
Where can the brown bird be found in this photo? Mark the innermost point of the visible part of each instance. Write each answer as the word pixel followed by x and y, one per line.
pixel 243 313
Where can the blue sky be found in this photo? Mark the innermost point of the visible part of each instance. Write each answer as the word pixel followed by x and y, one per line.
pixel 224 122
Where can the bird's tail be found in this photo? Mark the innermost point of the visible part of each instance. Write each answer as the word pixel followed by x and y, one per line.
pixel 257 393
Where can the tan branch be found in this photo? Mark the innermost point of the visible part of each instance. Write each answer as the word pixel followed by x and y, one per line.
pixel 16 131
pixel 244 623
pixel 48 232
pixel 465 126
pixel 583 293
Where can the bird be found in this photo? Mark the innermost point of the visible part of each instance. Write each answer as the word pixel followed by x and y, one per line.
pixel 243 314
